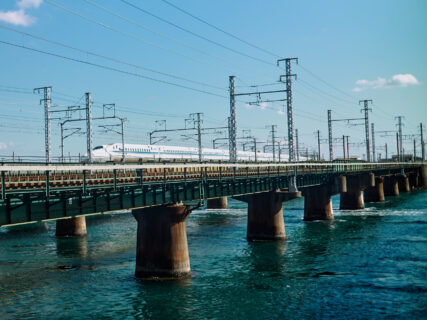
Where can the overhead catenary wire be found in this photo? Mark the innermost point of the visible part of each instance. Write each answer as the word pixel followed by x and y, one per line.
pixel 221 30
pixel 196 34
pixel 112 59
pixel 111 69
pixel 139 25
pixel 134 37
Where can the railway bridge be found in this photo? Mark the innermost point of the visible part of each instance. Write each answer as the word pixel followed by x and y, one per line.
pixel 162 195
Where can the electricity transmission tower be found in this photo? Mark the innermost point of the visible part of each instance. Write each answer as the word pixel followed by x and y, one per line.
pixel 366 110
pixel 288 76
pixel 373 141
pixel 47 103
pixel 330 139
pixel 232 128
pixel 400 125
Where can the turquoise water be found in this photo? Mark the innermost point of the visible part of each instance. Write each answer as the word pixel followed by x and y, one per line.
pixel 367 264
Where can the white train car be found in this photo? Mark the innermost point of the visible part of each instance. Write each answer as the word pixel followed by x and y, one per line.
pixel 139 152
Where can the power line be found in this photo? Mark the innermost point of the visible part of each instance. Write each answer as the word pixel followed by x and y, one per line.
pixel 111 69
pixel 134 37
pixel 112 59
pixel 195 34
pixel 324 81
pixel 221 30
pixel 161 34
pixel 128 35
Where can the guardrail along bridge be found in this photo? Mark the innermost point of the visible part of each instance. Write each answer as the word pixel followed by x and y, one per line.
pixel 161 196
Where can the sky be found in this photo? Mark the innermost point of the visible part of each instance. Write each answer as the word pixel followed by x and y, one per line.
pixel 166 59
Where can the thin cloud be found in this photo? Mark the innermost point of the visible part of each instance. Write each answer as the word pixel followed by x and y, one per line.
pixel 25 4
pixel 398 80
pixel 280 112
pixel 263 105
pixel 20 17
pixel 3 146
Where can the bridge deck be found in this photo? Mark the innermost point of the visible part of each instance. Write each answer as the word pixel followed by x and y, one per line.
pixel 38 192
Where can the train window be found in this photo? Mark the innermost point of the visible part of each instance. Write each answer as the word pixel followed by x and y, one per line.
pixel 98 147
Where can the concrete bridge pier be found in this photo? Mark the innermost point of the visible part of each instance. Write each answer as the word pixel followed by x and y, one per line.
pixel 265 214
pixel 403 183
pixel 318 202
pixel 375 193
pixel 161 245
pixel 353 198
pixel 391 186
pixel 413 180
pixel 71 227
pixel 217 203
pixel 422 179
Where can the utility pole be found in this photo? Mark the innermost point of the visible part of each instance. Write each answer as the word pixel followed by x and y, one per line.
pixel 373 141
pixel 415 149
pixel 122 120
pixel 232 135
pixel 331 155
pixel 348 153
pixel 366 113
pixel 199 132
pixel 121 132
pixel 386 152
pixel 89 126
pixel 422 142
pixel 273 138
pixel 297 144
pixel 318 144
pixel 73 131
pixel 289 76
pixel 397 146
pixel 399 124
pixel 47 103
pixel 343 146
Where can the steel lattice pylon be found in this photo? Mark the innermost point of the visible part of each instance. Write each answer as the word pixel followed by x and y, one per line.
pixel 47 102
pixel 232 122
pixel 366 116
pixel 89 125
pixel 331 151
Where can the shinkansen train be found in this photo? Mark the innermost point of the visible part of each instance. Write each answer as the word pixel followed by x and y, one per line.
pixel 141 152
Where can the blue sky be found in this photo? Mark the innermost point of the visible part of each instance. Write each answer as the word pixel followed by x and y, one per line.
pixel 347 50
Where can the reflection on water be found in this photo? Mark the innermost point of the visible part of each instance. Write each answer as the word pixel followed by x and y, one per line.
pixel 70 247
pixel 362 265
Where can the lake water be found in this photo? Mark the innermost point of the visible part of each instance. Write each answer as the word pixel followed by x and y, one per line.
pixel 367 264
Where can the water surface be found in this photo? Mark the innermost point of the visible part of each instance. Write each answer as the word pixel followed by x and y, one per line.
pixel 367 264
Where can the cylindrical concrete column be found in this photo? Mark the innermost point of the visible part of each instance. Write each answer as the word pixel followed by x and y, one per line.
pixel 72 227
pixel 403 183
pixel 413 180
pixel 422 179
pixel 391 186
pixel 265 217
pixel 376 193
pixel 353 198
pixel 161 247
pixel 318 203
pixel 217 203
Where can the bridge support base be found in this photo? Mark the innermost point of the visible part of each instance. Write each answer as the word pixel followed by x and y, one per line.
pixel 391 186
pixel 353 198
pixel 403 183
pixel 72 227
pixel 162 249
pixel 413 180
pixel 318 203
pixel 265 214
pixel 217 203
pixel 422 179
pixel 376 193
